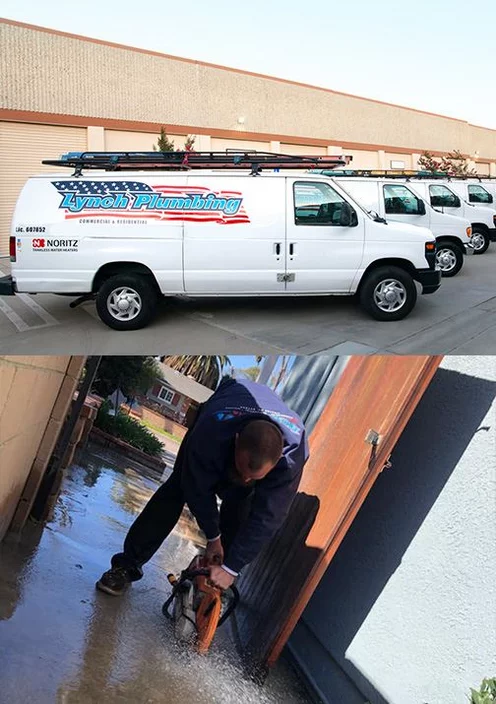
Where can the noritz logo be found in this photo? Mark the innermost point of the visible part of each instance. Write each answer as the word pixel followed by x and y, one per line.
pixel 41 244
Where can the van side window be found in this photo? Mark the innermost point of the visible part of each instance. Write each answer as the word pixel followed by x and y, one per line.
pixel 478 194
pixel 316 204
pixel 399 200
pixel 442 197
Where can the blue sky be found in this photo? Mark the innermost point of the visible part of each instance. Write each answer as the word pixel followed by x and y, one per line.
pixel 242 361
pixel 435 55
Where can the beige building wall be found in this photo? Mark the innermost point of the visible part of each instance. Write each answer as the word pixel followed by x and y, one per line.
pixel 363 159
pixel 35 393
pixel 120 140
pixel 135 85
pixel 405 159
pixel 49 106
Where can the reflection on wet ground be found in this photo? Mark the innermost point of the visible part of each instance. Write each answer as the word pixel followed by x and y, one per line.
pixel 62 641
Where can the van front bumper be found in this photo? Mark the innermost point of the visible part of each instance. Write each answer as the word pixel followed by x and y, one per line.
pixel 7 286
pixel 429 279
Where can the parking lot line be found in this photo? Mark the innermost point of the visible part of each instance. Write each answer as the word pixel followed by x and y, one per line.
pixel 13 316
pixel 39 310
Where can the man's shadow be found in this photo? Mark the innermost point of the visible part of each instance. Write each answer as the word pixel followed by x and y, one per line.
pixel 262 606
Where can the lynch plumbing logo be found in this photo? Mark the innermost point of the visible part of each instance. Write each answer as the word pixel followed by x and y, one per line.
pixel 134 199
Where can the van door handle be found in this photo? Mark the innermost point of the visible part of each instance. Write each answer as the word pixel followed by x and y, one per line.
pixel 292 247
pixel 277 249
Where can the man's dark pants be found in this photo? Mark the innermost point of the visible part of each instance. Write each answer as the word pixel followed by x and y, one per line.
pixel 162 512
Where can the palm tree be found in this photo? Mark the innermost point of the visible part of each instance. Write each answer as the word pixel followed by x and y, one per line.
pixel 205 369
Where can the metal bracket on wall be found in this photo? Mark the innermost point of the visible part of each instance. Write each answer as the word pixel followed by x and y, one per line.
pixel 388 464
pixel 373 438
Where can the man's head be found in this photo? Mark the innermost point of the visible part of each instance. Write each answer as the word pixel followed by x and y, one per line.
pixel 257 450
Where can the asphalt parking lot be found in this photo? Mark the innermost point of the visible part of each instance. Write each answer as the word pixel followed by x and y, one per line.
pixel 460 318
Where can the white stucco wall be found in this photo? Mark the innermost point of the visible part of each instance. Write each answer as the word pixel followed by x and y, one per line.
pixel 406 613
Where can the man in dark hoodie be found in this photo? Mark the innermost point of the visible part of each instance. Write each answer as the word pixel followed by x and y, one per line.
pixel 247 448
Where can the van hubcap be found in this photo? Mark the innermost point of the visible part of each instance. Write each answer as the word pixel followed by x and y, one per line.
pixel 477 241
pixel 390 295
pixel 446 259
pixel 124 303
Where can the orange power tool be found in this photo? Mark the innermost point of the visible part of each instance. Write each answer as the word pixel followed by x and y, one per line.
pixel 197 605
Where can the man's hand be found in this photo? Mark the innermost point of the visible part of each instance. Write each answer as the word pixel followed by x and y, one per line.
pixel 214 554
pixel 220 577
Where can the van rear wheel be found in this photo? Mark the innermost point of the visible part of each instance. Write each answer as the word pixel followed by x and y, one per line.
pixel 126 302
pixel 480 240
pixel 388 293
pixel 449 258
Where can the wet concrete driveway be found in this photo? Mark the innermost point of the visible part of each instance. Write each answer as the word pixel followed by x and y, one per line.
pixel 62 641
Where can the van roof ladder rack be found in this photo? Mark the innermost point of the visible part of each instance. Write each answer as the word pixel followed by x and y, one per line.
pixel 404 174
pixel 187 160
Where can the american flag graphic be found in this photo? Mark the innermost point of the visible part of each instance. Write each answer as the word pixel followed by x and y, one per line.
pixel 135 199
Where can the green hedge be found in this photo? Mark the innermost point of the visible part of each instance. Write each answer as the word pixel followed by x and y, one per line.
pixel 128 429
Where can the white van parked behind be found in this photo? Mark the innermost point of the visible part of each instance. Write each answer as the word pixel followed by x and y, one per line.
pixel 475 192
pixel 489 185
pixel 400 202
pixel 126 239
pixel 443 196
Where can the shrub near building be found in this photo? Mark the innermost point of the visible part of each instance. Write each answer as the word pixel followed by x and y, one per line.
pixel 128 429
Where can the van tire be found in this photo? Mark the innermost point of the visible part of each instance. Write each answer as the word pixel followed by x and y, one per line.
pixel 480 233
pixel 369 291
pixel 142 292
pixel 455 254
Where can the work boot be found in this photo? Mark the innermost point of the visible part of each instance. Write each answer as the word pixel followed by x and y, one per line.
pixel 115 581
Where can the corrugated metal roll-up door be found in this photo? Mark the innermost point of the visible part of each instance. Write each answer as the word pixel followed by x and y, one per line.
pixel 483 168
pixel 303 150
pixel 220 145
pixel 22 148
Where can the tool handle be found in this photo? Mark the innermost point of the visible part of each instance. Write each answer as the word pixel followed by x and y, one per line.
pixel 191 574
pixel 231 607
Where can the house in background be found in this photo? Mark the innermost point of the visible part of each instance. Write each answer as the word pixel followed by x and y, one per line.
pixel 174 395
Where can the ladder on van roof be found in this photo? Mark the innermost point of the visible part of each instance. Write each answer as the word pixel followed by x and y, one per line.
pixel 255 161
pixel 394 173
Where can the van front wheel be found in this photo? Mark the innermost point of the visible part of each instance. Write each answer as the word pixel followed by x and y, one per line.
pixel 480 240
pixel 388 293
pixel 449 258
pixel 126 302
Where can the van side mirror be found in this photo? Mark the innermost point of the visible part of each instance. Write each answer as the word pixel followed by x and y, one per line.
pixel 456 202
pixel 348 217
pixel 420 207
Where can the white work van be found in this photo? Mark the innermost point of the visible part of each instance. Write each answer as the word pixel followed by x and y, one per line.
pixel 489 184
pixel 444 197
pixel 126 239
pixel 400 202
pixel 475 192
